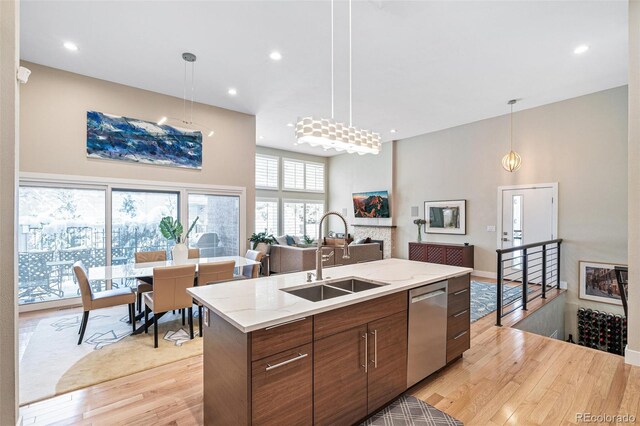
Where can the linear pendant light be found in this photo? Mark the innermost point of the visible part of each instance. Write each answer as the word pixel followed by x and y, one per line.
pixel 512 161
pixel 189 58
pixel 330 134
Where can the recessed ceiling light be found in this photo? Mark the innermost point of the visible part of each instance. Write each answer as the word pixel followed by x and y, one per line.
pixel 232 91
pixel 260 137
pixel 581 49
pixel 70 46
pixel 211 132
pixel 289 124
pixel 393 131
pixel 162 121
pixel 275 55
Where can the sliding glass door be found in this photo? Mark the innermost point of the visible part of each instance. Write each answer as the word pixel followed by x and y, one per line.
pixel 135 219
pixel 61 223
pixel 217 232
pixel 58 226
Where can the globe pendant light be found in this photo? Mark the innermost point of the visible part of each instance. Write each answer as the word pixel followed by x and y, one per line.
pixel 330 134
pixel 512 161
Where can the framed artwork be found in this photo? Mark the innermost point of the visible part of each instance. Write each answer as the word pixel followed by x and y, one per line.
pixel 598 283
pixel 373 204
pixel 115 137
pixel 445 217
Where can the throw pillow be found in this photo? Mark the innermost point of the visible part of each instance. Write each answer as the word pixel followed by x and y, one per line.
pixel 282 240
pixel 290 240
pixel 360 241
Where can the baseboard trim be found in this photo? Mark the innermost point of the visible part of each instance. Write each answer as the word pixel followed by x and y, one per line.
pixel 631 357
pixel 484 274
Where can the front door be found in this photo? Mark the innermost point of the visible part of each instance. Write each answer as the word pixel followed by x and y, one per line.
pixel 528 216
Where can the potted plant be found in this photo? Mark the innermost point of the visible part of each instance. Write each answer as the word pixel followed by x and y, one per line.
pixel 420 223
pixel 261 241
pixel 172 230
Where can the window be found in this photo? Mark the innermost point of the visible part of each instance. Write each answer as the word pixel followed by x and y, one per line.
pixel 58 226
pixel 314 179
pixel 303 175
pixel 302 217
pixel 135 216
pixel 217 232
pixel 101 224
pixel 293 174
pixel 267 215
pixel 266 172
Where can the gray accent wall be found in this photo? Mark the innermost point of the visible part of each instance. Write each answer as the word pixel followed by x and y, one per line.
pixel 581 143
pixel 548 320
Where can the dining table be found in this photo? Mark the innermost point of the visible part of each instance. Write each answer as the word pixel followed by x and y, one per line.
pixel 144 271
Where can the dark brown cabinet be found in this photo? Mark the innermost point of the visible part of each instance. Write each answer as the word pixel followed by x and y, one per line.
pixel 387 376
pixel 340 379
pixel 444 254
pixel 357 371
pixel 281 387
pixel 459 314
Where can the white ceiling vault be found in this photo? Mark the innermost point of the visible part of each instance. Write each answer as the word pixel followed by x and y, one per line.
pixel 418 66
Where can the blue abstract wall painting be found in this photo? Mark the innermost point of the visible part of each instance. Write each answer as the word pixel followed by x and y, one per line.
pixel 121 138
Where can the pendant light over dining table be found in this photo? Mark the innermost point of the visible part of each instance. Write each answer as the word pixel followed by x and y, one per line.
pixel 330 134
pixel 189 60
pixel 512 161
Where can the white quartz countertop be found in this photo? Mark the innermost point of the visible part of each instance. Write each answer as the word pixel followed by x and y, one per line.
pixel 258 303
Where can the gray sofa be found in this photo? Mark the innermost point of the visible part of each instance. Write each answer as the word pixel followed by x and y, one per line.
pixel 285 259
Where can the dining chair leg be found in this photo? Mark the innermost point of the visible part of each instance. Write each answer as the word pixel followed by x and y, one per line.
pixel 83 326
pixel 155 334
pixel 146 319
pixel 191 322
pixel 200 320
pixel 139 301
pixel 182 316
pixel 132 315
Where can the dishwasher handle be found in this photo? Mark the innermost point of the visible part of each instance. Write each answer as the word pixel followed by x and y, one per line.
pixel 435 293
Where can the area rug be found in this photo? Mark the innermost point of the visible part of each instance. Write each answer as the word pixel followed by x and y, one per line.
pixel 53 363
pixel 483 298
pixel 409 410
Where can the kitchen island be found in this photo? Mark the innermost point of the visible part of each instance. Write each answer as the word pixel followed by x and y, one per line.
pixel 279 350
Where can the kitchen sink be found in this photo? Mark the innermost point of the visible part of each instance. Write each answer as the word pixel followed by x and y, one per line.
pixel 354 286
pixel 329 290
pixel 317 293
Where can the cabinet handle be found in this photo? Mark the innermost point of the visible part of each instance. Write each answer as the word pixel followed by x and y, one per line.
pixel 461 313
pixel 375 348
pixel 285 323
pixel 280 364
pixel 460 335
pixel 365 336
pixel 460 292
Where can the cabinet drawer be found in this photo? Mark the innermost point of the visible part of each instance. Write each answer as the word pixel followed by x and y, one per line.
pixel 458 283
pixel 458 323
pixel 458 344
pixel 282 388
pixel 458 301
pixel 280 337
pixel 332 322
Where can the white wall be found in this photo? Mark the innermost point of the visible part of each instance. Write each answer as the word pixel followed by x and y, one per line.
pixel 580 143
pixel 53 133
pixel 633 356
pixel 349 173
pixel 9 102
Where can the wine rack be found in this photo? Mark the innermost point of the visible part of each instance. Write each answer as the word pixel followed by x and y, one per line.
pixel 602 330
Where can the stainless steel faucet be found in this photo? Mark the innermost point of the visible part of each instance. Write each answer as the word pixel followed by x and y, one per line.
pixel 319 256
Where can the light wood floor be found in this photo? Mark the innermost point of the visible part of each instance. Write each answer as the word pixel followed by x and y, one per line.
pixel 507 377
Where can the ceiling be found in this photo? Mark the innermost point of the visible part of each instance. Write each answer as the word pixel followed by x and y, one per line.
pixel 418 66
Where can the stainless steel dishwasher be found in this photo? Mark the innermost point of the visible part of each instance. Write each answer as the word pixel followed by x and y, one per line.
pixel 427 340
